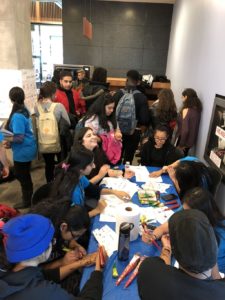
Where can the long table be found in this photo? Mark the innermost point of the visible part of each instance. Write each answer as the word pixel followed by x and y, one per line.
pixel 112 292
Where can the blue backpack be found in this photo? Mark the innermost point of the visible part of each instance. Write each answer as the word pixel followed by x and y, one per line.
pixel 125 112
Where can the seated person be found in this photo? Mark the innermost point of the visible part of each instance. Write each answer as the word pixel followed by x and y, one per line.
pixel 195 250
pixel 85 137
pixel 165 168
pixel 158 151
pixel 201 199
pixel 71 225
pixel 70 180
pixel 27 243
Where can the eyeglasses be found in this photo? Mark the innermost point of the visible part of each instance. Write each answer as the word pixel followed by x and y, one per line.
pixel 160 139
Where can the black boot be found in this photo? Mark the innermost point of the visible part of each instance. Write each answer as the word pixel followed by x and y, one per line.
pixel 27 195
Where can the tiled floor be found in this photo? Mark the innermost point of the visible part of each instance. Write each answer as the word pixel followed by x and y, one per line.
pixel 10 192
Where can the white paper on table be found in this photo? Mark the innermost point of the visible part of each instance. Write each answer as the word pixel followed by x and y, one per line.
pixel 108 215
pixel 147 212
pixel 157 186
pixel 155 179
pixel 106 237
pixel 162 215
pixel 120 184
pixel 141 173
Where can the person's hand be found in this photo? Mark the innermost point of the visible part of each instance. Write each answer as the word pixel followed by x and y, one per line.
pixel 148 237
pixel 115 173
pixel 129 174
pixel 103 170
pixel 122 195
pixel 5 172
pixel 165 239
pixel 101 206
pixel 155 174
pixel 98 259
pixel 118 135
pixel 81 251
pixel 145 140
pixel 88 260
pixel 70 257
pixel 171 172
pixel 6 144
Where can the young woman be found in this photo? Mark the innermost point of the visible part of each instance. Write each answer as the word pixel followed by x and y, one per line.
pixel 96 87
pixel 70 180
pixel 28 245
pixel 201 199
pixel 86 138
pixel 101 117
pixel 23 144
pixel 190 174
pixel 158 151
pixel 71 225
pixel 188 120
pixel 45 104
pixel 164 110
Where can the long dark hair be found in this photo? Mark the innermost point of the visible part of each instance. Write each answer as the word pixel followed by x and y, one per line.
pixel 98 109
pixel 79 135
pixel 202 199
pixel 76 217
pixel 99 75
pixel 192 100
pixel 17 96
pixel 166 109
pixel 67 173
pixel 191 174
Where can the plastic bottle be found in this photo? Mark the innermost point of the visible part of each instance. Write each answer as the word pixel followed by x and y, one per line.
pixel 124 240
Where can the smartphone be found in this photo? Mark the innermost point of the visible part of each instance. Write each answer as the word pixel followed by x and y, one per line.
pixel 169 197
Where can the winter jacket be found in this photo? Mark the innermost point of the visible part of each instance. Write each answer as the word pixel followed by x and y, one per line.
pixel 30 284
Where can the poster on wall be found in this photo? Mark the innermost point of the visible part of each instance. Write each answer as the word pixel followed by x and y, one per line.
pixel 22 78
pixel 215 145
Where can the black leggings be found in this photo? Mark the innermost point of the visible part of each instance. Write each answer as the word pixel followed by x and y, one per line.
pixel 50 165
pixel 22 174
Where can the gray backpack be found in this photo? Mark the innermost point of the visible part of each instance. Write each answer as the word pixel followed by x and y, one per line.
pixel 125 112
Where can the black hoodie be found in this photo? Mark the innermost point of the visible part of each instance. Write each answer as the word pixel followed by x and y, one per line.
pixel 29 284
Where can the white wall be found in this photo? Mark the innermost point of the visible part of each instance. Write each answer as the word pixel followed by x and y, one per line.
pixel 196 58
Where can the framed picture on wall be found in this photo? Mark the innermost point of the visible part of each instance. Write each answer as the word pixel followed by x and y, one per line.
pixel 215 145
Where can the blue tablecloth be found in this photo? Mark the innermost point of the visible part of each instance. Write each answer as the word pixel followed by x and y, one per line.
pixel 112 292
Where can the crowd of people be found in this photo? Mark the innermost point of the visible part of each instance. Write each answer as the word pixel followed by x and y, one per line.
pixel 83 131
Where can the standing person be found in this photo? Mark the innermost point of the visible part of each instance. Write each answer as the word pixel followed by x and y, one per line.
pixel 29 244
pixel 194 246
pixel 23 144
pixel 131 141
pixel 96 87
pixel 101 119
pixel 188 120
pixel 81 81
pixel 70 98
pixel 49 114
pixel 164 110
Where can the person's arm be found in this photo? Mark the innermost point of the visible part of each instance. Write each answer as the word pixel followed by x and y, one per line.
pixel 99 208
pixel 166 250
pixel 164 169
pixel 4 161
pixel 215 272
pixel 93 288
pixel 63 113
pixel 157 233
pixel 97 94
pixel 86 261
pixel 102 173
pixel 120 194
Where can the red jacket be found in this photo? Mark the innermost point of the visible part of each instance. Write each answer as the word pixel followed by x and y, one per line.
pixel 80 106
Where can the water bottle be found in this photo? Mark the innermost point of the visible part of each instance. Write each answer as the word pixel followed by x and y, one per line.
pixel 127 165
pixel 124 240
